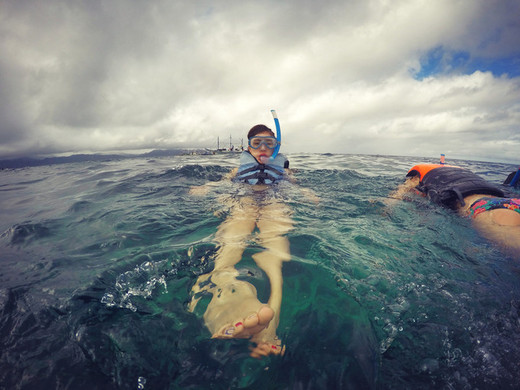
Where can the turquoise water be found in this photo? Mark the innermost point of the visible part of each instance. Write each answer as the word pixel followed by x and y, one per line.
pixel 98 260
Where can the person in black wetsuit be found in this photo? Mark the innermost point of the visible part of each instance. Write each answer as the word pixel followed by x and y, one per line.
pixel 495 215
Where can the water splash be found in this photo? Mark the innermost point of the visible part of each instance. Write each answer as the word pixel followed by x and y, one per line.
pixel 139 282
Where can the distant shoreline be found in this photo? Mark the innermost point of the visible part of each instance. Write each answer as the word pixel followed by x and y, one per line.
pixel 23 162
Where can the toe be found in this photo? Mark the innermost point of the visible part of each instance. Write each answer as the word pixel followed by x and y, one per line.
pixel 226 332
pixel 265 315
pixel 239 329
pixel 251 320
pixel 259 319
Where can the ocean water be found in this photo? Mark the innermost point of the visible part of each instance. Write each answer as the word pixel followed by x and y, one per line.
pixel 97 260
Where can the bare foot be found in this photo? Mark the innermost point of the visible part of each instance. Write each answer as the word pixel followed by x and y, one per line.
pixel 235 312
pixel 266 342
pixel 256 326
pixel 263 348
pixel 247 327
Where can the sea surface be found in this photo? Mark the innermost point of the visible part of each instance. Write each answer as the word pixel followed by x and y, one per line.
pixel 97 261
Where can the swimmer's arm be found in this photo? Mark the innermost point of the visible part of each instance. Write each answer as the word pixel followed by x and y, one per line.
pixel 405 188
pixel 289 175
pixel 402 190
pixel 204 189
pixel 310 195
pixel 231 174
pixel 306 192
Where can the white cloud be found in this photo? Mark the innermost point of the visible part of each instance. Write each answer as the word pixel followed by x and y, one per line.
pixel 407 116
pixel 119 75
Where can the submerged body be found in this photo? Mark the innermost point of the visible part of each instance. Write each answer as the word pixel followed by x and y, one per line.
pixel 234 310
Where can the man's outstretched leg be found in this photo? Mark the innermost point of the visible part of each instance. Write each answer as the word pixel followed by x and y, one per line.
pixel 273 224
pixel 234 310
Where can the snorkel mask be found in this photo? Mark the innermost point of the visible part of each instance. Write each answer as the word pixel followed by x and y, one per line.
pixel 257 141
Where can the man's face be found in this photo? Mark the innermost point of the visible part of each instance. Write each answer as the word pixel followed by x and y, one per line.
pixel 262 153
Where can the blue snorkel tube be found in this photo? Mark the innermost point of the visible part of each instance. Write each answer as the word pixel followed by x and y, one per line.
pixel 278 134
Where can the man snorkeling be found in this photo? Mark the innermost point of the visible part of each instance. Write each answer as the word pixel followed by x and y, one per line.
pixel 235 310
pixel 493 213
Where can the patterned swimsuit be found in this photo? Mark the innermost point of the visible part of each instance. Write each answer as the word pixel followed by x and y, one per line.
pixel 486 204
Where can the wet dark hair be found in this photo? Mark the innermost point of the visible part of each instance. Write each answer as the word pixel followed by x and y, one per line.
pixel 259 129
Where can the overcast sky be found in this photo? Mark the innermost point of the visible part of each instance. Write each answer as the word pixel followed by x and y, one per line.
pixel 410 77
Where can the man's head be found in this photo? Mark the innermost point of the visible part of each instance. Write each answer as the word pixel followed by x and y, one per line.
pixel 261 143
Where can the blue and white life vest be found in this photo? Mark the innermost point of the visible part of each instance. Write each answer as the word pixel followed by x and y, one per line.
pixel 252 172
